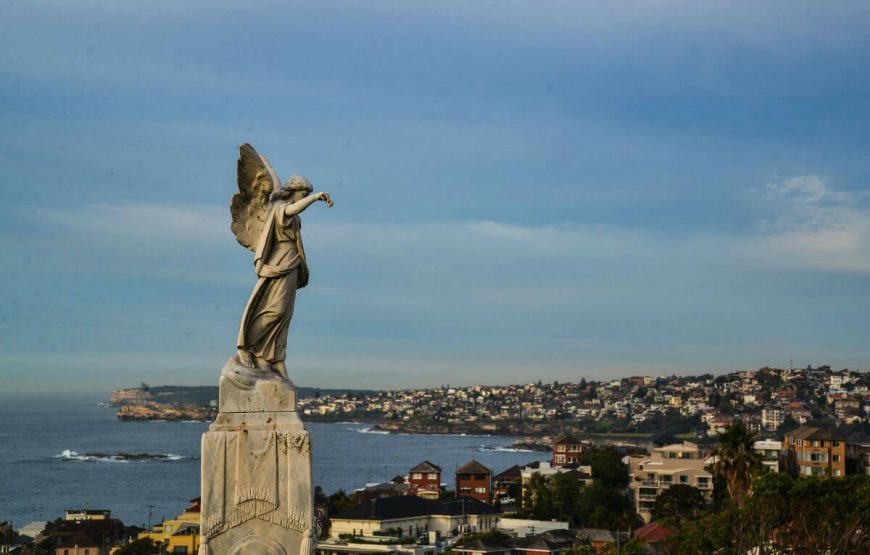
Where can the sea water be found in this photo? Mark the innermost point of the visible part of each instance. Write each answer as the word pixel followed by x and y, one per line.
pixel 69 451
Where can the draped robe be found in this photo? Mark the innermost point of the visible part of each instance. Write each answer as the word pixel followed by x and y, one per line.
pixel 281 269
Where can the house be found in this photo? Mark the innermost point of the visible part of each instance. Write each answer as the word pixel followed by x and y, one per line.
pixel 551 542
pixel 179 535
pixel 88 536
pixel 424 480
pixel 522 527
pixel 486 546
pixel 342 547
pixel 680 463
pixel 653 536
pixel 474 480
pixel 566 450
pixel 76 543
pixel 597 538
pixel 811 451
pixel 410 515
pixel 502 482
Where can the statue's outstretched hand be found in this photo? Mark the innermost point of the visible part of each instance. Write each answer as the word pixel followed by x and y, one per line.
pixel 326 198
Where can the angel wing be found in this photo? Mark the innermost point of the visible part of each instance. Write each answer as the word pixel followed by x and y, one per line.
pixel 250 206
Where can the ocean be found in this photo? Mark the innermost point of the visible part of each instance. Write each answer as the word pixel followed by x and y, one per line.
pixel 68 451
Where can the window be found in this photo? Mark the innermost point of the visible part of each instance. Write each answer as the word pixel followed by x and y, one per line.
pixel 837 472
pixel 684 479
pixel 560 458
pixel 836 444
pixel 560 448
pixel 433 476
pixel 835 458
pixel 417 476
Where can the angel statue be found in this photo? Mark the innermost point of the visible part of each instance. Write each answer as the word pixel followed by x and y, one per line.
pixel 266 221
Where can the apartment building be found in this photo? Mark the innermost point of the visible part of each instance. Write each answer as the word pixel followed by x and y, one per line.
pixel 811 451
pixel 772 418
pixel 771 453
pixel 650 475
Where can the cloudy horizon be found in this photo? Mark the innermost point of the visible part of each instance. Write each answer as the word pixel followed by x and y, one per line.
pixel 522 191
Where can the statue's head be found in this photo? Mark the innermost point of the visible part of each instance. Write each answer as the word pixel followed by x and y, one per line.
pixel 296 188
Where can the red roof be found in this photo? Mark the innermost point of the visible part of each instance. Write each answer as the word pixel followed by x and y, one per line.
pixel 652 533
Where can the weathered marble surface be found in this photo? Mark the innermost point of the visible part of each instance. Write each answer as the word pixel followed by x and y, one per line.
pixel 266 220
pixel 257 497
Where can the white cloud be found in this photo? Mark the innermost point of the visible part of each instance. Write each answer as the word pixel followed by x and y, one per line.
pixel 813 226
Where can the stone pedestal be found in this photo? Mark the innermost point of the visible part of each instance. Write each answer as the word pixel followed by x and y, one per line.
pixel 257 497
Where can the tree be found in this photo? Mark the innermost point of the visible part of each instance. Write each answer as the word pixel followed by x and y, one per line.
pixel 678 504
pixel 144 546
pixel 811 514
pixel 338 502
pixel 607 466
pixel 736 459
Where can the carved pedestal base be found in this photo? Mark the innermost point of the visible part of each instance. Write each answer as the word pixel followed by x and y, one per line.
pixel 257 497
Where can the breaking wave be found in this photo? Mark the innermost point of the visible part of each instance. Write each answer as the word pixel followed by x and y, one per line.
pixel 499 449
pixel 69 455
pixel 368 430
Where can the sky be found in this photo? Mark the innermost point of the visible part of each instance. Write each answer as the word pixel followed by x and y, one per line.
pixel 523 190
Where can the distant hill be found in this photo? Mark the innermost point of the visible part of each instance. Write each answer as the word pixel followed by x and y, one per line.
pixel 203 394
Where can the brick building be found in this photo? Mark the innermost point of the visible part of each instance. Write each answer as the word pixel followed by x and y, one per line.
pixel 811 451
pixel 566 451
pixel 424 480
pixel 474 480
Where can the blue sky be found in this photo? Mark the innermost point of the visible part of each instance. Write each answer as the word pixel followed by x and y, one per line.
pixel 523 190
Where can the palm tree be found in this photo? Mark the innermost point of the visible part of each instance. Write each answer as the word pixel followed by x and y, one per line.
pixel 736 459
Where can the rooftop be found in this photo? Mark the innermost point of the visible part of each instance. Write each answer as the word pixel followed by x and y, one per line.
pixel 473 467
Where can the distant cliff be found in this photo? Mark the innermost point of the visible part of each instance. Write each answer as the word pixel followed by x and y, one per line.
pixel 150 410
pixel 180 402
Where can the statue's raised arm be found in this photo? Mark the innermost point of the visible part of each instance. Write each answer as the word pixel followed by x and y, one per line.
pixel 266 220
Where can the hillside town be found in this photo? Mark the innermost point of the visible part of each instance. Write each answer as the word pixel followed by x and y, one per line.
pixel 640 500
pixel 767 400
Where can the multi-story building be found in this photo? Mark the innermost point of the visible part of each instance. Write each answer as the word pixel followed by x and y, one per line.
pixel 566 451
pixel 772 418
pixel 474 480
pixel 547 471
pixel 811 451
pixel 410 516
pixel 771 453
pixel 179 535
pixel 424 480
pixel 682 463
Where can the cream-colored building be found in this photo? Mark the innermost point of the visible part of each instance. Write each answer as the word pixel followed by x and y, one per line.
pixel 547 470
pixel 650 475
pixel 770 451
pixel 179 535
pixel 412 516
